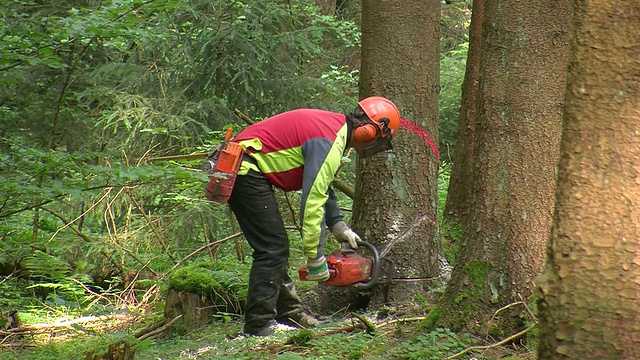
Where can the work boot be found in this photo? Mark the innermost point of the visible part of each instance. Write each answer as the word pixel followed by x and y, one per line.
pixel 266 330
pixel 269 329
pixel 299 320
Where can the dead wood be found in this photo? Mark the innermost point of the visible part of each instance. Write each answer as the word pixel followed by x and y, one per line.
pixel 118 351
pixel 88 322
pixel 499 343
pixel 293 340
pixel 364 324
pixel 158 331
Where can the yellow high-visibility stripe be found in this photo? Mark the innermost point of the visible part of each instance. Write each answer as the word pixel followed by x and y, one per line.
pixel 280 161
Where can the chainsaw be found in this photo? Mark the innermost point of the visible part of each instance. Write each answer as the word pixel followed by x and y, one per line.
pixel 348 268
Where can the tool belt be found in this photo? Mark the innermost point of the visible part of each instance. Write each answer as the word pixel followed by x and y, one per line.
pixel 222 165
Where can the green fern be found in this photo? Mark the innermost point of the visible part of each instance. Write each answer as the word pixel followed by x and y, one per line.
pixel 40 266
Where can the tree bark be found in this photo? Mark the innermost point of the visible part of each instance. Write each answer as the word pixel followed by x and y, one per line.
pixel 397 191
pixel 518 128
pixel 590 289
pixel 457 205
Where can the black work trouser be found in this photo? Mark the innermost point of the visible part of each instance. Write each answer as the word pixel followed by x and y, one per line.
pixel 271 291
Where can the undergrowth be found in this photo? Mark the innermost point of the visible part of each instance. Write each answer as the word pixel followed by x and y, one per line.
pixel 221 339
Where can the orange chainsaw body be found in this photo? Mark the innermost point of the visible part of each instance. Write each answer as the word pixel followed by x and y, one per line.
pixel 348 268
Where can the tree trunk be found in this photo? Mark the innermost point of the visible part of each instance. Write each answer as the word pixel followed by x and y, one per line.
pixel 518 128
pixel 396 193
pixel 327 7
pixel 590 289
pixel 459 192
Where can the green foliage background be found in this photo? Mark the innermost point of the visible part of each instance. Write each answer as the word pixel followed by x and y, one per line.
pixel 91 91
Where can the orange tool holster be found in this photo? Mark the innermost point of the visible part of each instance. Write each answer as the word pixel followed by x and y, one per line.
pixel 223 164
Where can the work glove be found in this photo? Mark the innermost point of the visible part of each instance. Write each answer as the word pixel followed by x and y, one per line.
pixel 317 269
pixel 343 233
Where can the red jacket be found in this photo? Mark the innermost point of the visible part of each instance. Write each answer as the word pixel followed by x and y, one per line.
pixel 300 150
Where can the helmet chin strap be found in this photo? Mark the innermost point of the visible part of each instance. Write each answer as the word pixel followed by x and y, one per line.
pixel 384 125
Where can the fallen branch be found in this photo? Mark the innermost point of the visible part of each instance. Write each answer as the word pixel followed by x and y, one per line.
pixel 86 321
pixel 76 321
pixel 344 329
pixel 369 326
pixel 160 329
pixel 401 321
pixel 292 340
pixel 362 324
pixel 484 347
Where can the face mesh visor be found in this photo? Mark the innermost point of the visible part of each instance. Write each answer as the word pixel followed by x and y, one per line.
pixel 383 144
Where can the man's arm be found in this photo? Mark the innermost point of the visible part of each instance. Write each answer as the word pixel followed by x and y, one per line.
pixel 322 159
pixel 332 213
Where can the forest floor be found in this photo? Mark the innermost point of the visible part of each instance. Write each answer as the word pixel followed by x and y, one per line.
pixel 121 336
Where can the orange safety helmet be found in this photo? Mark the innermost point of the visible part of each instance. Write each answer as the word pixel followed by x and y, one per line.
pixel 378 108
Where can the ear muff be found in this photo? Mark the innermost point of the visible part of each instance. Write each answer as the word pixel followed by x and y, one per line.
pixel 365 132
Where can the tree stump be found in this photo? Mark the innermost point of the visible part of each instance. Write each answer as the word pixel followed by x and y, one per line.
pixel 196 310
pixel 119 351
pixel 198 291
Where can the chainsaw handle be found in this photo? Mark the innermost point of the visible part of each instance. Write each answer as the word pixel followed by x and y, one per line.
pixel 375 267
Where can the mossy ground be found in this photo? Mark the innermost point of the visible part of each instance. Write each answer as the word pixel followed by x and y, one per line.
pixel 415 339
pixel 221 339
pixel 217 341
